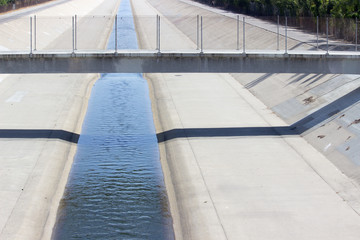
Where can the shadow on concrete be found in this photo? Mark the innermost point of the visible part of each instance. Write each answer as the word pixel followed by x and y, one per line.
pixel 225 132
pixel 258 80
pixel 329 111
pixel 40 133
pixel 338 47
pixel 313 79
pixel 299 45
pixel 297 77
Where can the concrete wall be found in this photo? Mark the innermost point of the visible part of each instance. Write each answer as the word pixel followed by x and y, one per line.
pixel 153 62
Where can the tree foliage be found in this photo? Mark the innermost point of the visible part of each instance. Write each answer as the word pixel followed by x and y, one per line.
pixel 303 8
pixel 5 2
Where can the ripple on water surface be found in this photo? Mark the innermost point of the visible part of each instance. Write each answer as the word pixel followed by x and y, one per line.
pixel 116 190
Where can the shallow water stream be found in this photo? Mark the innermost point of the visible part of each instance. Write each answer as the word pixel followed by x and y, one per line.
pixel 115 189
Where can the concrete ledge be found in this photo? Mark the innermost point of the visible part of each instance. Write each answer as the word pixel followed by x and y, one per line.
pixel 142 61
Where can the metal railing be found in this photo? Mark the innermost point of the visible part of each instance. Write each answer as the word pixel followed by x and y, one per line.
pixel 211 33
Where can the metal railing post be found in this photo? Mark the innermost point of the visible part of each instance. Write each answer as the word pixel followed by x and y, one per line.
pixel 73 35
pixel 243 35
pixel 201 26
pixel 356 33
pixel 327 35
pixel 237 32
pixel 159 34
pixel 34 32
pixel 197 32
pixel 278 34
pixel 30 35
pixel 116 23
pixel 286 35
pixel 317 32
pixel 75 29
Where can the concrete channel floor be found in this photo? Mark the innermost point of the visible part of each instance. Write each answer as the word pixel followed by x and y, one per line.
pixel 230 172
pixel 41 116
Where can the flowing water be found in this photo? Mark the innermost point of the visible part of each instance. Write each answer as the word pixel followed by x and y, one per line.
pixel 115 188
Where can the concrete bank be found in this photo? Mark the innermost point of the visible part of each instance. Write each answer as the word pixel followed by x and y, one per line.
pixel 323 107
pixel 230 171
pixel 41 118
pixel 332 98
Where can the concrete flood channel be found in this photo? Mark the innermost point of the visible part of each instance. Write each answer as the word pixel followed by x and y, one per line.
pixel 115 188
